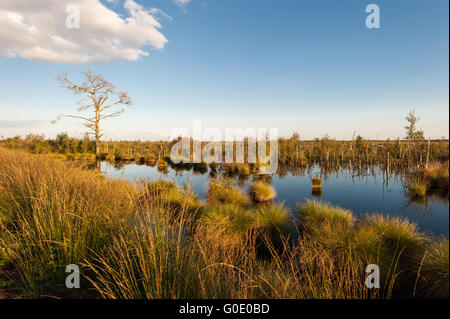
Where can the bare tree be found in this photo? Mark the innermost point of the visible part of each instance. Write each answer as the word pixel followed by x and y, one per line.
pixel 98 94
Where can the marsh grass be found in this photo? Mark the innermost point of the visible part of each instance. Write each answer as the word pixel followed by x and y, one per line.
pixel 438 176
pixel 316 182
pixel 417 187
pixel 398 234
pixel 261 191
pixel 162 163
pixel 51 216
pixel 142 241
pixel 435 269
pixel 224 191
pixel 330 225
pixel 431 180
pixel 274 220
pixel 229 219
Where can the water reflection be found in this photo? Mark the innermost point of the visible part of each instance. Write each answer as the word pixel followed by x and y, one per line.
pixel 362 189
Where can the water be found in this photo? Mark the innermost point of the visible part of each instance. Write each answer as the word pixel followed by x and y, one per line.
pixel 368 191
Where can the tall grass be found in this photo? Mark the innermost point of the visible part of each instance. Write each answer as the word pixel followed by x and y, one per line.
pixel 52 215
pixel 142 241
pixel 436 268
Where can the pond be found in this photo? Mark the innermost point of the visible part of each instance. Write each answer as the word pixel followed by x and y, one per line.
pixel 366 190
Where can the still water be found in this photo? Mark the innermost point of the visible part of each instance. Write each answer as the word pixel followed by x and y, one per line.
pixel 367 191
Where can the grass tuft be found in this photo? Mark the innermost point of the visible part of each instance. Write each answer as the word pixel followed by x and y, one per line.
pixel 261 192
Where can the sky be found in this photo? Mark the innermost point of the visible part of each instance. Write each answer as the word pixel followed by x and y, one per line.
pixel 306 66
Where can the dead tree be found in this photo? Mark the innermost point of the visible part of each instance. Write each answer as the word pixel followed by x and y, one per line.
pixel 98 93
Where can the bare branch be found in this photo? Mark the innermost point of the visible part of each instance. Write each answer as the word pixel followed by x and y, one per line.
pixel 97 91
pixel 117 113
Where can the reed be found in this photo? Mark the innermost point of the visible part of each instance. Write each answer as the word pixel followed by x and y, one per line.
pixel 292 151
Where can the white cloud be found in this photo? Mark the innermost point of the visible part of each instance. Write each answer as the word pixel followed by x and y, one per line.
pixel 37 30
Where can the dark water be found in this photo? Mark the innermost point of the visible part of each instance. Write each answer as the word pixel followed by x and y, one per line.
pixel 367 191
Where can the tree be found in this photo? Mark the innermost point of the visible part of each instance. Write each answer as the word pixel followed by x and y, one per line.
pixel 98 92
pixel 412 133
pixel 295 137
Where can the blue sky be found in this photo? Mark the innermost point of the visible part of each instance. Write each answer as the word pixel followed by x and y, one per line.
pixel 306 66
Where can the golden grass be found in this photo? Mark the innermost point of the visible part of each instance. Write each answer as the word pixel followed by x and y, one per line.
pixel 260 191
pixel 142 241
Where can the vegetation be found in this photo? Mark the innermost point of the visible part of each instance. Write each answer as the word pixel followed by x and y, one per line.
pixel 435 268
pixel 144 241
pixel 98 91
pixel 328 152
pixel 412 133
pixel 162 164
pixel 316 182
pixel 224 191
pixel 260 191
pixel 429 180
pixel 417 188
pixel 437 177
pixel 330 225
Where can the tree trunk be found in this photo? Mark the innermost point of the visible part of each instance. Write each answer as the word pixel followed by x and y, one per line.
pixel 97 133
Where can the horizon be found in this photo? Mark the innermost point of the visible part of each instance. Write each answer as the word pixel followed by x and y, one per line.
pixel 307 67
